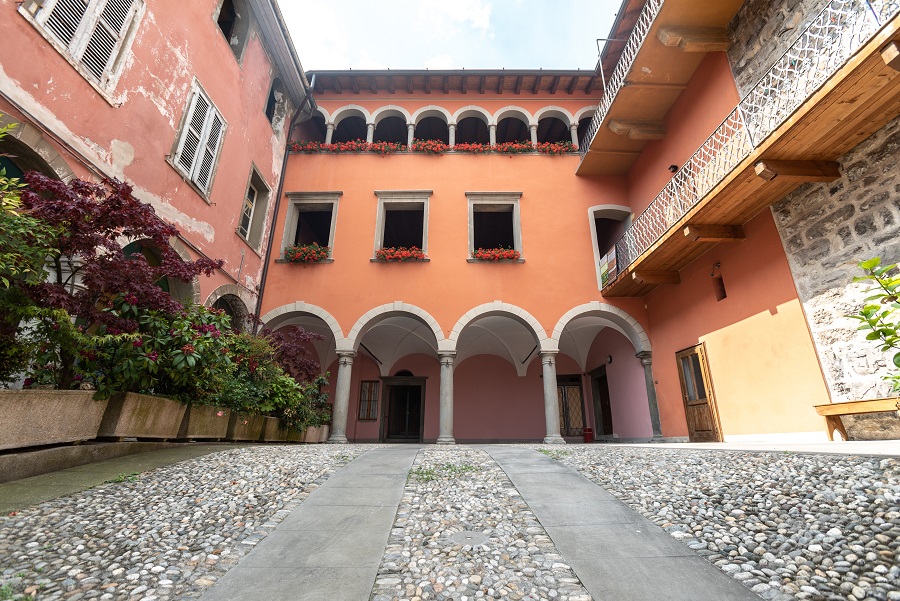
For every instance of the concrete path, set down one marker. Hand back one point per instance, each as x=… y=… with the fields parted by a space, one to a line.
x=617 y=553
x=330 y=547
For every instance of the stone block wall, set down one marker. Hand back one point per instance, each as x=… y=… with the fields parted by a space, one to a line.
x=826 y=230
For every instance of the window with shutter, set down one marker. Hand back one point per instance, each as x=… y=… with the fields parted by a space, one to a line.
x=91 y=33
x=200 y=141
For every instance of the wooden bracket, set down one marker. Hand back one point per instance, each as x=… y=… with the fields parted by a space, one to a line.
x=714 y=233
x=638 y=130
x=695 y=39
x=803 y=171
x=890 y=54
x=656 y=277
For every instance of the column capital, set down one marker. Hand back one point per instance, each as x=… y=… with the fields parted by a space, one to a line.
x=451 y=355
x=532 y=126
x=329 y=126
x=574 y=127
x=547 y=356
x=646 y=357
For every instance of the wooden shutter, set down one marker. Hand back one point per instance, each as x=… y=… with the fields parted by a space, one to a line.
x=105 y=41
x=64 y=18
x=207 y=161
x=192 y=135
x=201 y=140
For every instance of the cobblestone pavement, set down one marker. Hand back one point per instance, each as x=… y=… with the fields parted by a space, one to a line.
x=165 y=534
x=789 y=526
x=463 y=532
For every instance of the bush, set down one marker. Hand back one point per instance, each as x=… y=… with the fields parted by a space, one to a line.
x=880 y=319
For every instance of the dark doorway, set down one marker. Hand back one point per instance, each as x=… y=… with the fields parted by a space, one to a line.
x=603 y=425
x=571 y=405
x=403 y=411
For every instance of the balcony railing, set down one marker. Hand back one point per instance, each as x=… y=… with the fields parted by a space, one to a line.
x=835 y=34
x=623 y=67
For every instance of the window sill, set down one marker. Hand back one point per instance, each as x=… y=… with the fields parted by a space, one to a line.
x=329 y=260
x=425 y=260
x=471 y=260
x=190 y=183
x=247 y=242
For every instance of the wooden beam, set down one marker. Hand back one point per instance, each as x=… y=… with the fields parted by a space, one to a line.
x=890 y=54
x=801 y=171
x=320 y=89
x=446 y=84
x=409 y=84
x=590 y=85
x=465 y=84
x=695 y=39
x=638 y=130
x=650 y=276
x=481 y=85
x=336 y=84
x=537 y=84
x=518 y=87
x=427 y=84
x=390 y=81
x=355 y=83
x=555 y=85
x=500 y=84
x=714 y=233
x=572 y=84
x=373 y=86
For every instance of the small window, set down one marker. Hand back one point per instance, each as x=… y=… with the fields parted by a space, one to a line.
x=276 y=105
x=494 y=221
x=253 y=211
x=234 y=23
x=92 y=34
x=200 y=140
x=402 y=219
x=368 y=400
x=311 y=219
x=719 y=288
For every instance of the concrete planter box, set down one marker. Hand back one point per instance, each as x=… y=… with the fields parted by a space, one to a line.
x=243 y=426
x=42 y=417
x=205 y=422
x=273 y=431
x=317 y=434
x=296 y=435
x=133 y=415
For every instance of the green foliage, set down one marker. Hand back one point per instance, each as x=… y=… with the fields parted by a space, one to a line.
x=132 y=477
x=880 y=314
x=553 y=453
x=444 y=470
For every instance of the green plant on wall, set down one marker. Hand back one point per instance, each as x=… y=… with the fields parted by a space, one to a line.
x=881 y=312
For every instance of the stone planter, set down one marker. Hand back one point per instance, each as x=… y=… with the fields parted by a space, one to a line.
x=205 y=422
x=243 y=426
x=273 y=431
x=317 y=434
x=133 y=415
x=296 y=435
x=42 y=417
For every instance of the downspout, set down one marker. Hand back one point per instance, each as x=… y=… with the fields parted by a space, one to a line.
x=287 y=154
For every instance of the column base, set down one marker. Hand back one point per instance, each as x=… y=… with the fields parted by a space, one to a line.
x=445 y=440
x=337 y=439
x=555 y=439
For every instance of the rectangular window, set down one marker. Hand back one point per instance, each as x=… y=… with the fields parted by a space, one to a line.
x=92 y=34
x=200 y=141
x=233 y=20
x=368 y=400
x=311 y=219
x=247 y=212
x=494 y=221
x=253 y=211
x=402 y=219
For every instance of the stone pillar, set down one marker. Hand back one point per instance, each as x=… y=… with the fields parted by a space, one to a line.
x=445 y=435
x=341 y=398
x=493 y=131
x=574 y=130
x=370 y=132
x=411 y=128
x=551 y=399
x=452 y=129
x=533 y=129
x=329 y=132
x=647 y=362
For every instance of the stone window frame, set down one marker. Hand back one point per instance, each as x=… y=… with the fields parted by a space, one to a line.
x=297 y=201
x=256 y=227
x=242 y=29
x=38 y=12
x=189 y=174
x=495 y=199
x=401 y=199
x=371 y=403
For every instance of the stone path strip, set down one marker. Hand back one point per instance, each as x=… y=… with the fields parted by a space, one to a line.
x=788 y=526
x=463 y=532
x=164 y=534
x=331 y=545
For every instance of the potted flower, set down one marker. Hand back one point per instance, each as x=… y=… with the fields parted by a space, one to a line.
x=306 y=253
x=400 y=254
x=429 y=146
x=496 y=254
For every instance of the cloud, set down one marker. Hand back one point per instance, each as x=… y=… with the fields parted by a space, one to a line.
x=441 y=61
x=452 y=20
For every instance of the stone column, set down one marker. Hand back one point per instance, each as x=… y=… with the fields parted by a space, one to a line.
x=370 y=132
x=452 y=129
x=574 y=129
x=341 y=398
x=493 y=132
x=329 y=132
x=533 y=129
x=445 y=435
x=551 y=399
x=411 y=128
x=647 y=362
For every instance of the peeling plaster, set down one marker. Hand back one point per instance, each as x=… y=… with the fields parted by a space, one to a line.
x=174 y=216
x=122 y=156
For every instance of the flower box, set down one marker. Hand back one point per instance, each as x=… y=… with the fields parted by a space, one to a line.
x=243 y=426
x=133 y=415
x=273 y=430
x=400 y=254
x=205 y=422
x=42 y=417
x=496 y=254
x=307 y=253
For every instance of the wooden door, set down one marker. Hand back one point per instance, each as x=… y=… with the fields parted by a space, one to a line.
x=403 y=413
x=697 y=394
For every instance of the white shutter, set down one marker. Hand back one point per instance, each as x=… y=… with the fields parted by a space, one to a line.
x=64 y=18
x=201 y=140
x=210 y=150
x=193 y=133
x=106 y=39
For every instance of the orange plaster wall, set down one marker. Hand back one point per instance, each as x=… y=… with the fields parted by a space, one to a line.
x=763 y=366
x=175 y=41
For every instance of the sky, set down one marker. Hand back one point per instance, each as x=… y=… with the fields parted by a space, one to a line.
x=448 y=34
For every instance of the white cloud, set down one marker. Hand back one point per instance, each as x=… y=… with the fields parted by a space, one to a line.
x=454 y=20
x=441 y=61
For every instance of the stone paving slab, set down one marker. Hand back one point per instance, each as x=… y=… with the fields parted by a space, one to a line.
x=330 y=547
x=614 y=551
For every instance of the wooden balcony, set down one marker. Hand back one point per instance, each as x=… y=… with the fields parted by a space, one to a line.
x=834 y=88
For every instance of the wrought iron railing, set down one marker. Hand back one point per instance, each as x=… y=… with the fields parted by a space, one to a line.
x=837 y=32
x=623 y=67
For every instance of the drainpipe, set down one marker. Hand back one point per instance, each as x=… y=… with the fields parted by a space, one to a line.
x=287 y=154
